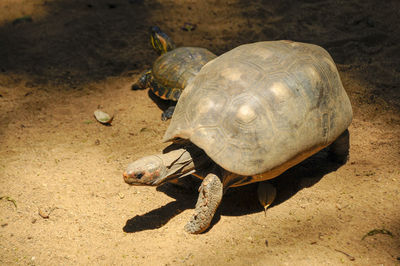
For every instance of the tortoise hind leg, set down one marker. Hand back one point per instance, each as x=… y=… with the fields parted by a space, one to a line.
x=210 y=195
x=339 y=149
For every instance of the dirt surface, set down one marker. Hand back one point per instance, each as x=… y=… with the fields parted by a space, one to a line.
x=63 y=200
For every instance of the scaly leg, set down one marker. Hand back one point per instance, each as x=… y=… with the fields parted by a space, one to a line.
x=167 y=114
x=210 y=195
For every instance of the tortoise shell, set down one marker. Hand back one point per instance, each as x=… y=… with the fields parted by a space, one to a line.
x=263 y=107
x=173 y=70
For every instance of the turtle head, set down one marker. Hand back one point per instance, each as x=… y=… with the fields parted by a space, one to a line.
x=147 y=171
x=160 y=41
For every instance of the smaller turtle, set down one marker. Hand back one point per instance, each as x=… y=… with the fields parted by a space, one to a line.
x=173 y=70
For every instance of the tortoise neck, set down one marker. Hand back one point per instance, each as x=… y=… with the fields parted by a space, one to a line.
x=184 y=160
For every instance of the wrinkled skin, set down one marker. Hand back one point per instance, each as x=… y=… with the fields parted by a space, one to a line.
x=157 y=169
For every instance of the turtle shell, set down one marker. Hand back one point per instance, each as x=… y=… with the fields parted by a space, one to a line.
x=173 y=70
x=263 y=107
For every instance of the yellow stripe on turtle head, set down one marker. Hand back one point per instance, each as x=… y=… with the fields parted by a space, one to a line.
x=160 y=40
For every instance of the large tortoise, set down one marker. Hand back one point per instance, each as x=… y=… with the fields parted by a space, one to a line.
x=173 y=70
x=248 y=116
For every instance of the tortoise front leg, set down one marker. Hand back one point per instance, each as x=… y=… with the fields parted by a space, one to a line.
x=210 y=195
x=167 y=114
x=143 y=81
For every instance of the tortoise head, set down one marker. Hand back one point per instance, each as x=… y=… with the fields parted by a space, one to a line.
x=160 y=41
x=147 y=171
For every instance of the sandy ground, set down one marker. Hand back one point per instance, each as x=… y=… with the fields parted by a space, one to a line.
x=61 y=60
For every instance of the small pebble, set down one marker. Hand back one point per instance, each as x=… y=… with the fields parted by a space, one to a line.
x=103 y=117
